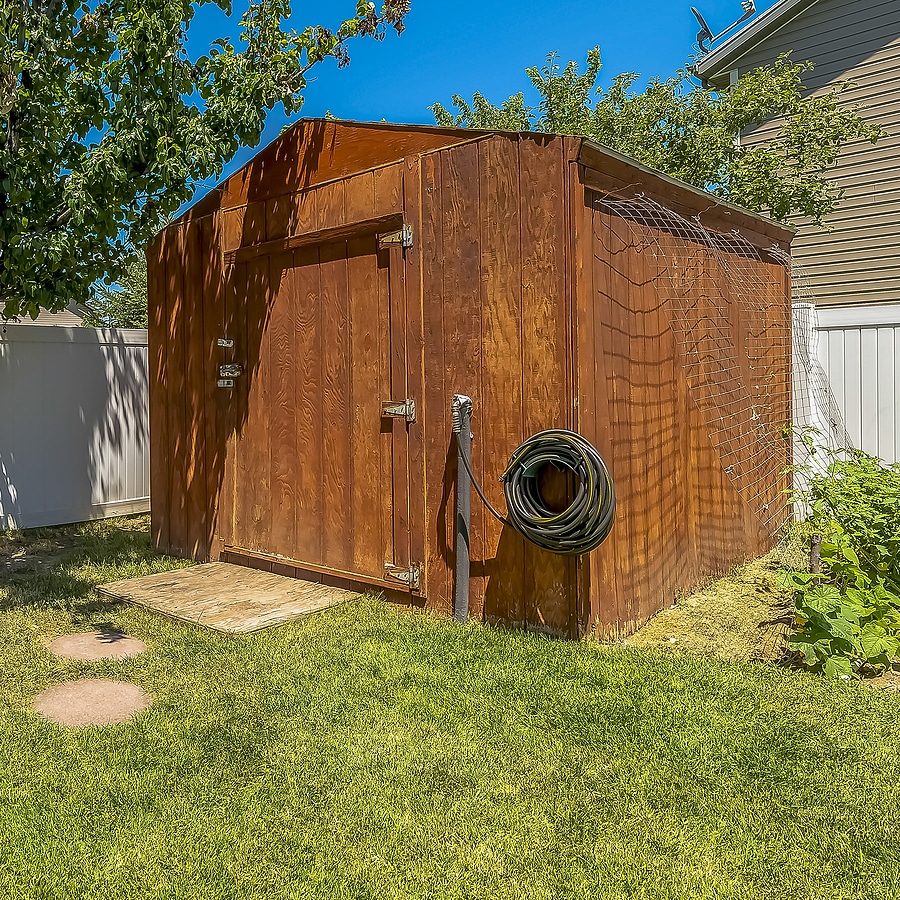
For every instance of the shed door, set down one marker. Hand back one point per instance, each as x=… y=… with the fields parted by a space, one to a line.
x=316 y=473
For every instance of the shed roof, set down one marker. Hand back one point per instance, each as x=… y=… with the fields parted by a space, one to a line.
x=751 y=35
x=328 y=155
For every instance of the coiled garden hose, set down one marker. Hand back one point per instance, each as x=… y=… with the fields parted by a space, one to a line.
x=588 y=519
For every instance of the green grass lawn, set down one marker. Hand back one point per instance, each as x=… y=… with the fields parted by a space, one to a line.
x=369 y=752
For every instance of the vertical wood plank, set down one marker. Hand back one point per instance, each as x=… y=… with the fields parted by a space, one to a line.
x=595 y=407
x=254 y=454
x=394 y=449
x=501 y=396
x=254 y=224
x=462 y=330
x=413 y=279
x=255 y=464
x=283 y=366
x=175 y=373
x=621 y=389
x=306 y=470
x=359 y=197
x=159 y=392
x=368 y=494
x=388 y=184
x=280 y=212
x=392 y=499
x=330 y=211
x=657 y=499
x=439 y=471
x=233 y=228
x=638 y=375
x=683 y=449
x=544 y=232
x=195 y=474
x=231 y=402
x=213 y=355
x=392 y=344
x=336 y=414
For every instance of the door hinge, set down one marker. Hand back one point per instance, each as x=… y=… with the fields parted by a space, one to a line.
x=408 y=576
x=400 y=409
x=403 y=236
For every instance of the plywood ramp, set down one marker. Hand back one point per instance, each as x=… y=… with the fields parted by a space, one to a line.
x=227 y=598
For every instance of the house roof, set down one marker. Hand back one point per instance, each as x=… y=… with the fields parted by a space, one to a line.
x=70 y=316
x=720 y=60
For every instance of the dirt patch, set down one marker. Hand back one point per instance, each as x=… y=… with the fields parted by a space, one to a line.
x=35 y=550
x=743 y=616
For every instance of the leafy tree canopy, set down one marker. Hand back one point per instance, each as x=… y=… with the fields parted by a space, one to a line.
x=123 y=305
x=681 y=128
x=106 y=122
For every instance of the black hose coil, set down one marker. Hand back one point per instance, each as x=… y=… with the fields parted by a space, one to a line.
x=587 y=521
x=585 y=524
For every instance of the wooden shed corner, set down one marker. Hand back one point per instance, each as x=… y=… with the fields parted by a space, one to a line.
x=313 y=316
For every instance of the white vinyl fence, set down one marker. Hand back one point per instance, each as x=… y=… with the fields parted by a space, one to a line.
x=859 y=349
x=74 y=431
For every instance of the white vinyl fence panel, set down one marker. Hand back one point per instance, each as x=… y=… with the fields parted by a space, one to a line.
x=74 y=429
x=859 y=348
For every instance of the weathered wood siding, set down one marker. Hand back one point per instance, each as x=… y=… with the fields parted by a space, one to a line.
x=495 y=296
x=504 y=296
x=681 y=515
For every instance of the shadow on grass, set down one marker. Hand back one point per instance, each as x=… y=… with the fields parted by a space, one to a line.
x=58 y=568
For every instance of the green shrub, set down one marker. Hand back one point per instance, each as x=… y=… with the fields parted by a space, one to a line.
x=848 y=615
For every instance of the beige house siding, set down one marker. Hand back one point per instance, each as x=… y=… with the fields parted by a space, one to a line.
x=70 y=317
x=858 y=259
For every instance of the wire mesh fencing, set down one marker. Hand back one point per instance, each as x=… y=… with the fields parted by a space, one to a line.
x=725 y=302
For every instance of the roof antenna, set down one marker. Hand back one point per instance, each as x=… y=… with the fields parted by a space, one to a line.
x=705 y=37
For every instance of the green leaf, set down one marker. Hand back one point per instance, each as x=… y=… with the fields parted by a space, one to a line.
x=875 y=642
x=119 y=122
x=838 y=667
x=808 y=647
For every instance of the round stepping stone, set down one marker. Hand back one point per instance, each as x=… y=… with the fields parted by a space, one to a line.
x=94 y=645
x=91 y=701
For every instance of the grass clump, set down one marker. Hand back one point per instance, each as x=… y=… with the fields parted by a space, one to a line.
x=369 y=752
x=744 y=615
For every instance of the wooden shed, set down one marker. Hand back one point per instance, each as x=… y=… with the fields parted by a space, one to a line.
x=351 y=264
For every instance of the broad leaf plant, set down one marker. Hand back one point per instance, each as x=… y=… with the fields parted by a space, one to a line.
x=847 y=619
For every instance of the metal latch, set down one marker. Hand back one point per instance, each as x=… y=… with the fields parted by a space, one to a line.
x=225 y=382
x=230 y=370
x=408 y=576
x=403 y=237
x=225 y=342
x=401 y=409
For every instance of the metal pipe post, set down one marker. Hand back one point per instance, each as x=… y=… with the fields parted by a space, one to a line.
x=462 y=421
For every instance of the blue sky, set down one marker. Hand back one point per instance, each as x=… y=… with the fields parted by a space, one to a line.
x=461 y=48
